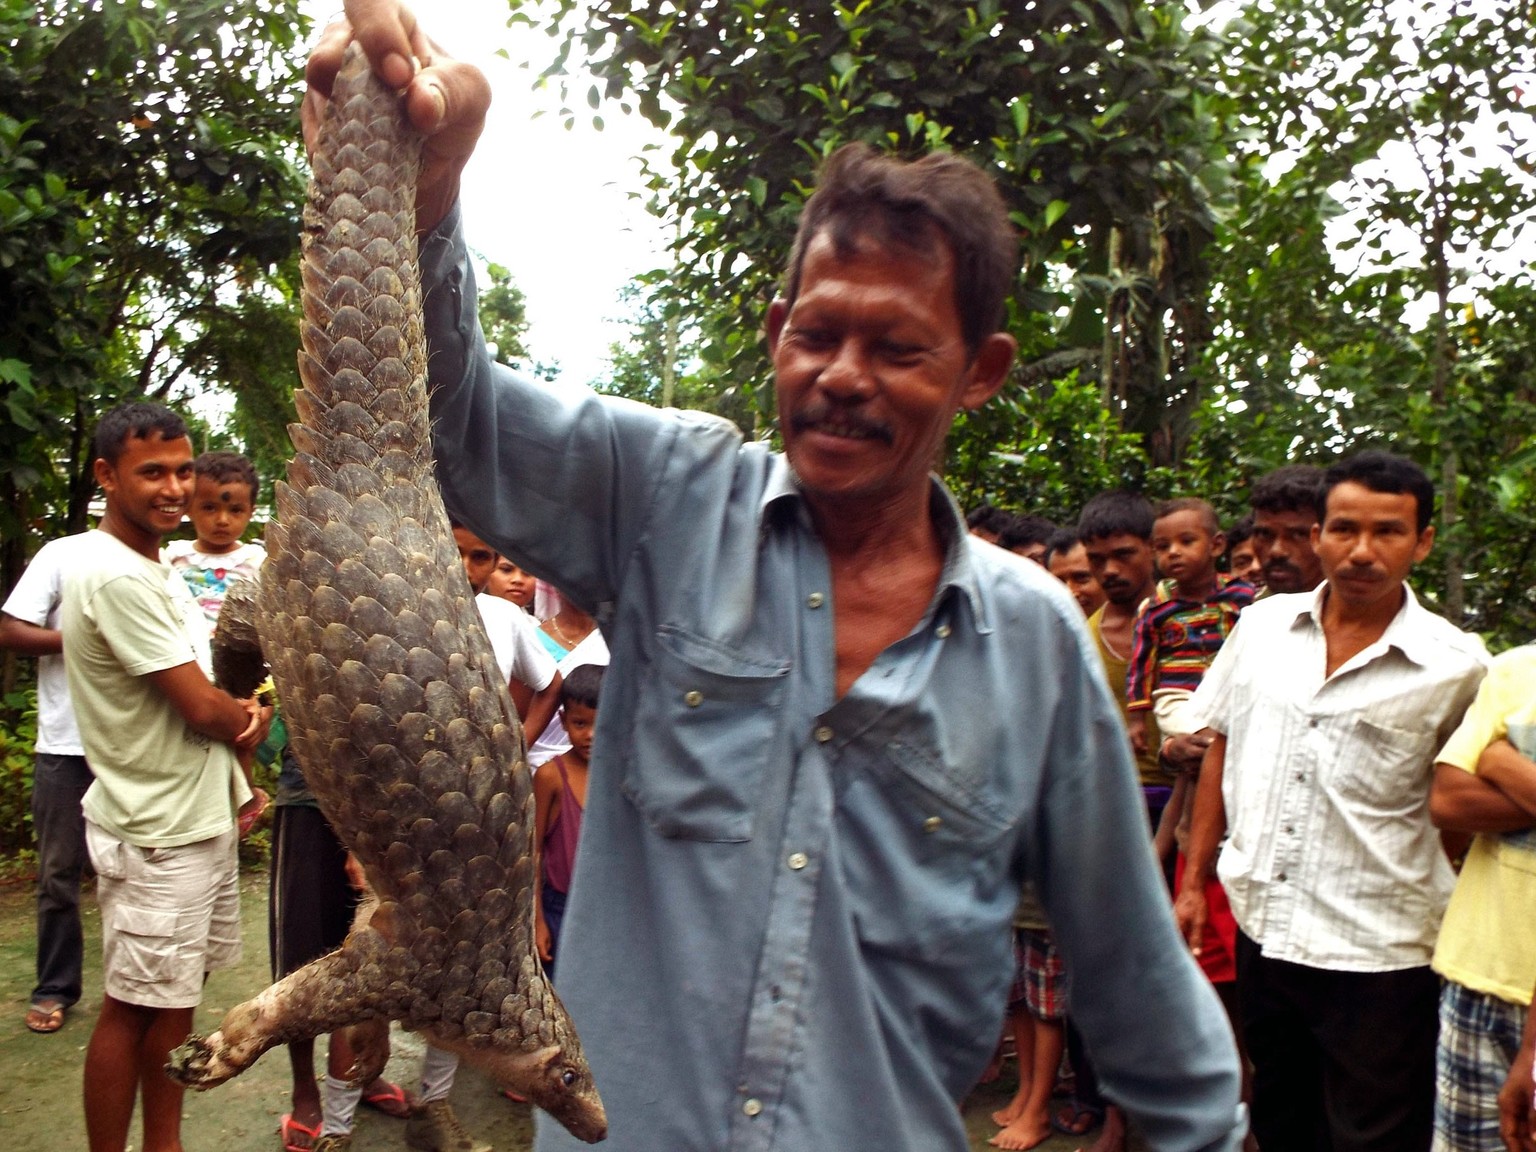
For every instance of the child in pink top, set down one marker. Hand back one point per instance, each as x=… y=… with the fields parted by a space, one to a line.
x=559 y=796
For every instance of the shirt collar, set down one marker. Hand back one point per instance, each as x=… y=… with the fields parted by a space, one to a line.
x=1405 y=632
x=782 y=491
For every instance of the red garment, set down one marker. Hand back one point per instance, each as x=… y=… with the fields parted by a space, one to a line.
x=1218 y=944
x=559 y=847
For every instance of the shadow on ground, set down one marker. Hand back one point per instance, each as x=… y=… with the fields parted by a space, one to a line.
x=40 y=1089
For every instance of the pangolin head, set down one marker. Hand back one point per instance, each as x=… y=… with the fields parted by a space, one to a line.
x=562 y=1085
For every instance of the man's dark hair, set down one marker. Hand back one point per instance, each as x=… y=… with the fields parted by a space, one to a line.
x=1062 y=540
x=1118 y=513
x=1022 y=530
x=861 y=192
x=986 y=518
x=1381 y=472
x=137 y=419
x=1293 y=488
x=583 y=686
x=1240 y=533
x=1190 y=504
x=227 y=468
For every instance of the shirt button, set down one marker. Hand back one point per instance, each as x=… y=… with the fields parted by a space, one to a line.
x=1300 y=777
x=1312 y=723
x=798 y=860
x=1281 y=877
x=752 y=1107
x=823 y=734
x=933 y=823
x=694 y=699
x=942 y=631
x=815 y=600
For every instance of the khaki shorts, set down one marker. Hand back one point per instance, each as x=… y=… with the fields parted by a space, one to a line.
x=168 y=916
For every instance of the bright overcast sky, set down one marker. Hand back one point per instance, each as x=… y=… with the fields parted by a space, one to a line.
x=552 y=205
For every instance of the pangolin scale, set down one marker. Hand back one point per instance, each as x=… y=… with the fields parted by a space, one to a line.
x=389 y=689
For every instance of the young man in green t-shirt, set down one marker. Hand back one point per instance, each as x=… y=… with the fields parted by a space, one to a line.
x=160 y=816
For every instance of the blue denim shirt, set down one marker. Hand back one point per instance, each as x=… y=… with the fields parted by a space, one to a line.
x=790 y=923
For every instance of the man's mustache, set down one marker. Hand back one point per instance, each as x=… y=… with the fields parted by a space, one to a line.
x=837 y=421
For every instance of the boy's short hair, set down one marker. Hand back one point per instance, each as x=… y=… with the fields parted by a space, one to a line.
x=1240 y=533
x=1118 y=513
x=1022 y=530
x=986 y=518
x=1190 y=504
x=137 y=419
x=1381 y=472
x=1293 y=488
x=227 y=468
x=583 y=686
x=1062 y=540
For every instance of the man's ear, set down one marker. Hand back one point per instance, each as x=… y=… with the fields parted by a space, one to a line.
x=103 y=473
x=778 y=315
x=1425 y=543
x=988 y=370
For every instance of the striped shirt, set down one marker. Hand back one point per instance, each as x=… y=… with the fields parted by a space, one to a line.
x=1331 y=860
x=1175 y=639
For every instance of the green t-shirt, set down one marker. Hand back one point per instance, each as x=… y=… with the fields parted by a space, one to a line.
x=158 y=784
x=1116 y=669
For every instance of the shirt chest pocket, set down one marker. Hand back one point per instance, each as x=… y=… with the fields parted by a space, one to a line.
x=1388 y=770
x=923 y=844
x=706 y=726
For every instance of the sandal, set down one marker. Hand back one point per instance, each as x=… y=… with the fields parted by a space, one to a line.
x=1077 y=1119
x=390 y=1099
x=45 y=1016
x=297 y=1137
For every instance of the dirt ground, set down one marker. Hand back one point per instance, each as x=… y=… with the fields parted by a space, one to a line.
x=40 y=1088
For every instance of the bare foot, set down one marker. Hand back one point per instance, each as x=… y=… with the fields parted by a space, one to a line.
x=1006 y=1116
x=1025 y=1132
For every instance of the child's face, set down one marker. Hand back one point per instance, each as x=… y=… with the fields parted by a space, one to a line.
x=1185 y=547
x=580 y=720
x=220 y=513
x=511 y=583
x=478 y=556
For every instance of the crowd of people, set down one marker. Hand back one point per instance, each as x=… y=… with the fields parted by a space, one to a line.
x=1184 y=803
x=1314 y=781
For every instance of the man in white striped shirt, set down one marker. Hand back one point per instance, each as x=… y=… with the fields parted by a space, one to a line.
x=1328 y=708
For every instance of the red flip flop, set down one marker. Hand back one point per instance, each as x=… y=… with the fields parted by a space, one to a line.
x=293 y=1131
x=390 y=1099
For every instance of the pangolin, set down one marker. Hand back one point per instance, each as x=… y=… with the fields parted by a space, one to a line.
x=389 y=689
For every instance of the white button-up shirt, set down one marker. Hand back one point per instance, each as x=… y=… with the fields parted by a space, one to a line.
x=1331 y=860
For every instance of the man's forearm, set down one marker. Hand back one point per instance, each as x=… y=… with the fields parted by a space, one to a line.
x=1513 y=774
x=1462 y=802
x=29 y=639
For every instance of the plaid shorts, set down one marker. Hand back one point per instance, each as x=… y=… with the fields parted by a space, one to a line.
x=1039 y=983
x=1479 y=1036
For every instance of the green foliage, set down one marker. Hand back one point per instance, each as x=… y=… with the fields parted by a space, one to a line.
x=1090 y=114
x=18 y=734
x=148 y=185
x=661 y=362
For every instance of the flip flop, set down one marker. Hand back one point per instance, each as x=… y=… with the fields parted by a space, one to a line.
x=293 y=1131
x=45 y=1016
x=390 y=1099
